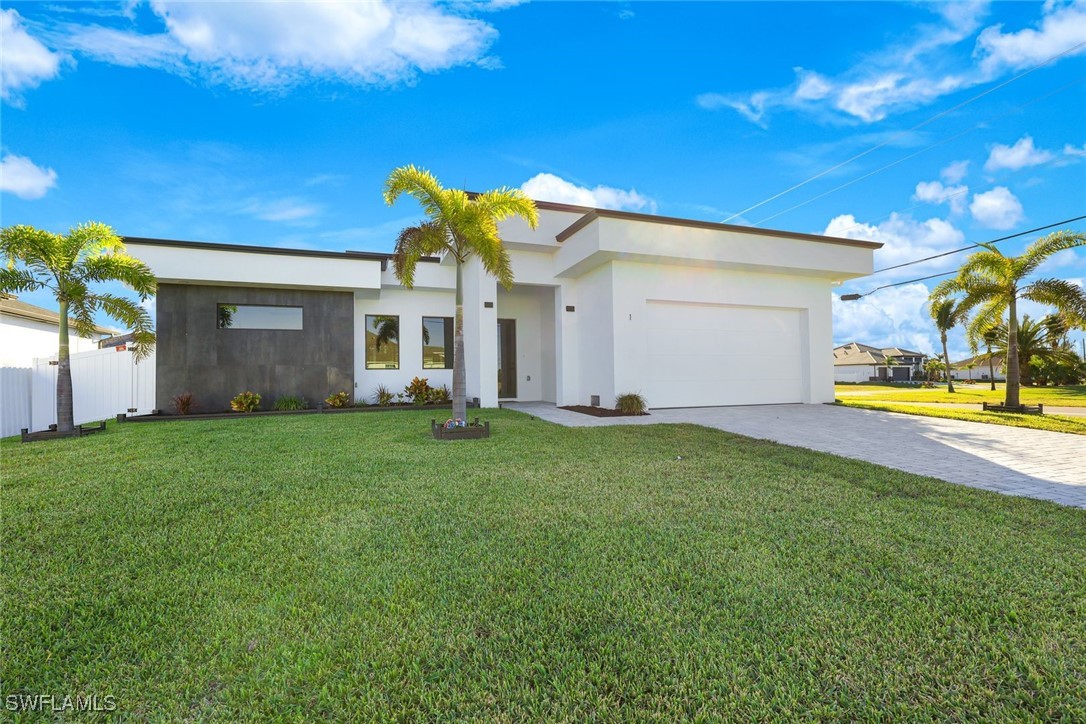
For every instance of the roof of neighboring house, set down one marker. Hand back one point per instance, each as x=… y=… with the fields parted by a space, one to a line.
x=11 y=306
x=855 y=353
x=117 y=340
x=980 y=360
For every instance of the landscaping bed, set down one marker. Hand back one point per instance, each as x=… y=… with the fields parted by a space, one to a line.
x=160 y=416
x=600 y=411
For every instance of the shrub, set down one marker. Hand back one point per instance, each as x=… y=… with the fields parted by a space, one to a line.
x=245 y=402
x=338 y=399
x=439 y=395
x=631 y=403
x=184 y=403
x=290 y=402
x=418 y=391
x=383 y=396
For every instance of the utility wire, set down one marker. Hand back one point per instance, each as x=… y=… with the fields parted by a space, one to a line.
x=855 y=296
x=923 y=150
x=899 y=134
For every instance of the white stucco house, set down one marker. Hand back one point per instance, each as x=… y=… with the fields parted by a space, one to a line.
x=855 y=362
x=28 y=331
x=687 y=313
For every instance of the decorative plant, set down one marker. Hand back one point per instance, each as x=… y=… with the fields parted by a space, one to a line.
x=631 y=403
x=418 y=390
x=339 y=399
x=245 y=402
x=383 y=396
x=291 y=402
x=439 y=395
x=184 y=403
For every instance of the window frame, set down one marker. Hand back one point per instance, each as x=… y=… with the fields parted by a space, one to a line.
x=299 y=307
x=448 y=350
x=366 y=346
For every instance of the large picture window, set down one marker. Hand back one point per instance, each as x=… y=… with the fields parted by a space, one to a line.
x=382 y=342
x=259 y=316
x=437 y=343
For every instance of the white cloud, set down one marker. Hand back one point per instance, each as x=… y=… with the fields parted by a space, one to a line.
x=281 y=210
x=379 y=43
x=26 y=61
x=888 y=318
x=954 y=172
x=934 y=192
x=1021 y=155
x=997 y=209
x=1061 y=29
x=904 y=239
x=20 y=176
x=548 y=187
x=1070 y=150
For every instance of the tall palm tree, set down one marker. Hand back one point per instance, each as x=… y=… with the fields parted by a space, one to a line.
x=462 y=226
x=947 y=314
x=67 y=265
x=991 y=337
x=992 y=283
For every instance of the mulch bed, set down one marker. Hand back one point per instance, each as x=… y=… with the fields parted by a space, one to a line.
x=598 y=411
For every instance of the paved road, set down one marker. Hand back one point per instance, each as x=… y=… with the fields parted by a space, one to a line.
x=1010 y=460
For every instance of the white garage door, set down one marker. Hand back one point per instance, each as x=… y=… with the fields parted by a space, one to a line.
x=704 y=354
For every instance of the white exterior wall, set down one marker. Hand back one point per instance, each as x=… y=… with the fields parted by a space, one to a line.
x=594 y=321
x=854 y=373
x=21 y=340
x=410 y=306
x=533 y=310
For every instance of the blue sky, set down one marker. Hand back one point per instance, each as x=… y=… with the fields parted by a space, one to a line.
x=276 y=124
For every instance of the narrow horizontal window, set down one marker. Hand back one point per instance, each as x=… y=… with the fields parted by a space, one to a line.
x=437 y=343
x=259 y=316
x=382 y=342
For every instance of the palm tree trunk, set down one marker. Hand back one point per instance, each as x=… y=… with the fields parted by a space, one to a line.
x=1014 y=381
x=946 y=361
x=459 y=390
x=65 y=416
x=991 y=367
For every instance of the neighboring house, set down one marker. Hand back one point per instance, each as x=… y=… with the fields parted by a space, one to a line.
x=605 y=302
x=980 y=371
x=855 y=362
x=27 y=331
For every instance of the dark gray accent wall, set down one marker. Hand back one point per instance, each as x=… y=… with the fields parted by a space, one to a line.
x=193 y=355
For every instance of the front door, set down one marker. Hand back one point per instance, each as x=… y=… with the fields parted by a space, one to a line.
x=507 y=359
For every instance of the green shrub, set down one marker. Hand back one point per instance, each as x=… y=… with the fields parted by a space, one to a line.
x=291 y=402
x=631 y=403
x=338 y=399
x=383 y=396
x=245 y=402
x=439 y=395
x=418 y=390
x=184 y=403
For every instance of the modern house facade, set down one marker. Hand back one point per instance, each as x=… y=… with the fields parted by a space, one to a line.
x=855 y=362
x=687 y=313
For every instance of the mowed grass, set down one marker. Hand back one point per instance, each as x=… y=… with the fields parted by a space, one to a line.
x=1064 y=396
x=347 y=567
x=1051 y=423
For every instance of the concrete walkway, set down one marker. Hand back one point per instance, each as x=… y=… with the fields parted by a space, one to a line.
x=1010 y=460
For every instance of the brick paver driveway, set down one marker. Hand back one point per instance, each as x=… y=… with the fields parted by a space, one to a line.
x=1010 y=460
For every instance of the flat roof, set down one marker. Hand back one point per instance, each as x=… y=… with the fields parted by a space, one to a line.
x=254 y=249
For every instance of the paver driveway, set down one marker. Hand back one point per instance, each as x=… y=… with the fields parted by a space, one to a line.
x=1011 y=460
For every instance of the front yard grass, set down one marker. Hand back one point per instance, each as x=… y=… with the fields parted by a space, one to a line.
x=348 y=567
x=1052 y=423
x=1064 y=396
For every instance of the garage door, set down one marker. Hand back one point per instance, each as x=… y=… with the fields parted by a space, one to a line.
x=704 y=354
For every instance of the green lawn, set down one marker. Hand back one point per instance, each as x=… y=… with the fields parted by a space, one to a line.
x=1066 y=396
x=345 y=566
x=1052 y=423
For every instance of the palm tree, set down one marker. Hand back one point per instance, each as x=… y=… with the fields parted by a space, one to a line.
x=890 y=362
x=947 y=315
x=1035 y=340
x=67 y=266
x=462 y=226
x=991 y=337
x=992 y=283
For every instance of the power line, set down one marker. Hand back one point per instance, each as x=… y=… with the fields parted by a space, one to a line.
x=899 y=134
x=853 y=297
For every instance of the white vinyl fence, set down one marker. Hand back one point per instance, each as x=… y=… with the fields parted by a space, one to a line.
x=14 y=400
x=105 y=383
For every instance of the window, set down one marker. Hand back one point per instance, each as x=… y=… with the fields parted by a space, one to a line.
x=437 y=343
x=382 y=342
x=258 y=316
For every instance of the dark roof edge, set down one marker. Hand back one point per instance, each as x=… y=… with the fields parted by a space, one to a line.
x=211 y=246
x=594 y=214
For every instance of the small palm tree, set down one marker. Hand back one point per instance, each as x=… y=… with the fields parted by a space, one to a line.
x=462 y=226
x=890 y=363
x=947 y=315
x=67 y=266
x=991 y=338
x=991 y=284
